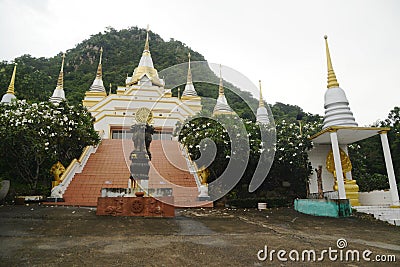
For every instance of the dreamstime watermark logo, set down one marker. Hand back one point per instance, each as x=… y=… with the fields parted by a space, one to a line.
x=175 y=77
x=339 y=253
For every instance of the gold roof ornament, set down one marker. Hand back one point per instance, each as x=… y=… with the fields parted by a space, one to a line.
x=189 y=74
x=221 y=85
x=99 y=67
x=145 y=66
x=10 y=89
x=146 y=45
x=60 y=81
x=332 y=81
x=261 y=101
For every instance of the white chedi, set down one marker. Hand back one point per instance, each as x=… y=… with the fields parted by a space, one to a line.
x=262 y=112
x=337 y=110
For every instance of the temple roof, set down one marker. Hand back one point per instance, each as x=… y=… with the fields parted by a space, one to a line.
x=145 y=67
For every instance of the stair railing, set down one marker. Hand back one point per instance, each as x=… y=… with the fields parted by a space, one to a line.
x=191 y=165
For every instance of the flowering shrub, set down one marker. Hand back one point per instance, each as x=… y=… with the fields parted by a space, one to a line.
x=290 y=166
x=34 y=136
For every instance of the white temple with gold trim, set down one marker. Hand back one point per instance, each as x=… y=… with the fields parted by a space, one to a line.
x=115 y=113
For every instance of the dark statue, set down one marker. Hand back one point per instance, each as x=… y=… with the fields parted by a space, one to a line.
x=140 y=156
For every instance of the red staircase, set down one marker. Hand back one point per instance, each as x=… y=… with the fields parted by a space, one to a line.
x=109 y=168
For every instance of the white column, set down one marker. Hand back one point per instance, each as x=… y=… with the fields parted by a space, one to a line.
x=338 y=165
x=389 y=168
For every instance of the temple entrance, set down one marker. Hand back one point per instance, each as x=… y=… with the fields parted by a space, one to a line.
x=159 y=134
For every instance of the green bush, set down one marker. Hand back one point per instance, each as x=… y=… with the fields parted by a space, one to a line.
x=372 y=182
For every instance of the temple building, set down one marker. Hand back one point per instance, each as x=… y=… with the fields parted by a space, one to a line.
x=59 y=94
x=115 y=113
x=10 y=94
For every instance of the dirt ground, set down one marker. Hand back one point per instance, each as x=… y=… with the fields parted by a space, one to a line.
x=38 y=235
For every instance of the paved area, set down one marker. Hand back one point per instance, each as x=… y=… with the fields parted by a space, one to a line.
x=38 y=235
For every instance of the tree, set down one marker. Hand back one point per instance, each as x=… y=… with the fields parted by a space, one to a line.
x=35 y=136
x=290 y=169
x=367 y=157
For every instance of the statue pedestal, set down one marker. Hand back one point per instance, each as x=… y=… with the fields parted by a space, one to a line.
x=135 y=206
x=203 y=196
x=139 y=165
x=351 y=189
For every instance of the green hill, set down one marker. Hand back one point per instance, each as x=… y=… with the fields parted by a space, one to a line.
x=37 y=77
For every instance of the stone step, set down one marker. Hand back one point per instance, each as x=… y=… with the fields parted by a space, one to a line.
x=108 y=168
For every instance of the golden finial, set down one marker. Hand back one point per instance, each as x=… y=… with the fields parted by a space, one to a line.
x=60 y=81
x=146 y=45
x=261 y=103
x=179 y=92
x=11 y=86
x=189 y=75
x=332 y=81
x=99 y=68
x=109 y=93
x=101 y=54
x=221 y=85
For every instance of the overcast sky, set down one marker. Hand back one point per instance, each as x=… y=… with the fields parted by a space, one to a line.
x=279 y=42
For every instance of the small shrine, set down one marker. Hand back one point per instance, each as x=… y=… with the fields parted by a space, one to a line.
x=332 y=179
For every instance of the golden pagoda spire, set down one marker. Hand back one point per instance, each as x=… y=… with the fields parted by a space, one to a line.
x=11 y=86
x=261 y=101
x=109 y=93
x=60 y=81
x=332 y=81
x=189 y=75
x=146 y=45
x=221 y=85
x=99 y=68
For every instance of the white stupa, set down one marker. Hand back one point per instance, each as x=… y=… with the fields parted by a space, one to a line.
x=97 y=85
x=222 y=106
x=59 y=94
x=337 y=110
x=189 y=91
x=10 y=94
x=262 y=112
